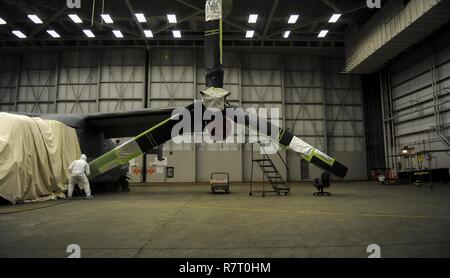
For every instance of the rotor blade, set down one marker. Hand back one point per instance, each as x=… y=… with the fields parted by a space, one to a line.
x=290 y=142
x=138 y=145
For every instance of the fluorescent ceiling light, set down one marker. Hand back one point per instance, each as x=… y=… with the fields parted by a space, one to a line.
x=117 y=33
x=172 y=18
x=75 y=18
x=334 y=18
x=148 y=33
x=35 y=18
x=89 y=33
x=107 y=18
x=286 y=34
x=19 y=34
x=176 y=33
x=140 y=17
x=293 y=18
x=252 y=18
x=53 y=33
x=2 y=22
x=323 y=33
x=249 y=34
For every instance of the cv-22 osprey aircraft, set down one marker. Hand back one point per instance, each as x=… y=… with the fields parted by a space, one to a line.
x=109 y=162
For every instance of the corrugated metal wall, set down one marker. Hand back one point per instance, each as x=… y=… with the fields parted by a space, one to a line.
x=416 y=97
x=316 y=101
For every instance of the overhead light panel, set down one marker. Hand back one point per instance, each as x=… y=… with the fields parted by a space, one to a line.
x=140 y=17
x=19 y=34
x=53 y=33
x=148 y=33
x=293 y=18
x=249 y=34
x=2 y=21
x=286 y=34
x=117 y=33
x=334 y=18
x=75 y=18
x=323 y=33
x=35 y=18
x=89 y=33
x=176 y=33
x=252 y=18
x=172 y=18
x=107 y=18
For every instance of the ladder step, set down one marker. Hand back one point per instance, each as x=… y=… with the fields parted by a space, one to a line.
x=264 y=159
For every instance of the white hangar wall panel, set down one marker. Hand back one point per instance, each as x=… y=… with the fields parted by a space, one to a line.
x=345 y=118
x=262 y=88
x=324 y=107
x=9 y=77
x=122 y=80
x=77 y=90
x=172 y=84
x=36 y=86
x=414 y=98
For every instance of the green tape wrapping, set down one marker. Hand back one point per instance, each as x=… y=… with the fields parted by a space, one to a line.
x=322 y=156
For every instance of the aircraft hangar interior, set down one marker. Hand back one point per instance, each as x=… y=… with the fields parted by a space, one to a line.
x=224 y=128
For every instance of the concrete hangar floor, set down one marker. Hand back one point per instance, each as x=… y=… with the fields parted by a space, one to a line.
x=186 y=220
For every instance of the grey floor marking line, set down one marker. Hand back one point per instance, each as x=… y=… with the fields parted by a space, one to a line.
x=31 y=209
x=167 y=222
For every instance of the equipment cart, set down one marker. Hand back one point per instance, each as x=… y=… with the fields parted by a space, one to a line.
x=220 y=181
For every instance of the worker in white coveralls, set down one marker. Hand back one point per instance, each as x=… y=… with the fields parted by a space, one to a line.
x=79 y=169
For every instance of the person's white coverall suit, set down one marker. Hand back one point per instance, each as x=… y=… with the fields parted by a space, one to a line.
x=79 y=170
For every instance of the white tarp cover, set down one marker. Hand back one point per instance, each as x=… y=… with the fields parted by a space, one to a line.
x=34 y=157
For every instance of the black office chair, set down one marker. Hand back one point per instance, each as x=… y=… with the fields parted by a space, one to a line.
x=323 y=183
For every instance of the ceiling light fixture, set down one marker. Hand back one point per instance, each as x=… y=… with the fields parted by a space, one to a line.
x=89 y=33
x=293 y=18
x=172 y=18
x=249 y=34
x=35 y=18
x=118 y=33
x=19 y=34
x=323 y=33
x=334 y=18
x=107 y=18
x=286 y=34
x=148 y=33
x=140 y=17
x=2 y=21
x=75 y=18
x=53 y=33
x=252 y=18
x=176 y=33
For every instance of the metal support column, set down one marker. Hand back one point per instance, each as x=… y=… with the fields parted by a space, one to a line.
x=324 y=105
x=58 y=66
x=146 y=94
x=99 y=76
x=283 y=106
x=242 y=146
x=194 y=84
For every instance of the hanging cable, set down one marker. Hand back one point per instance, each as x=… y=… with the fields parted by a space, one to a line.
x=93 y=11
